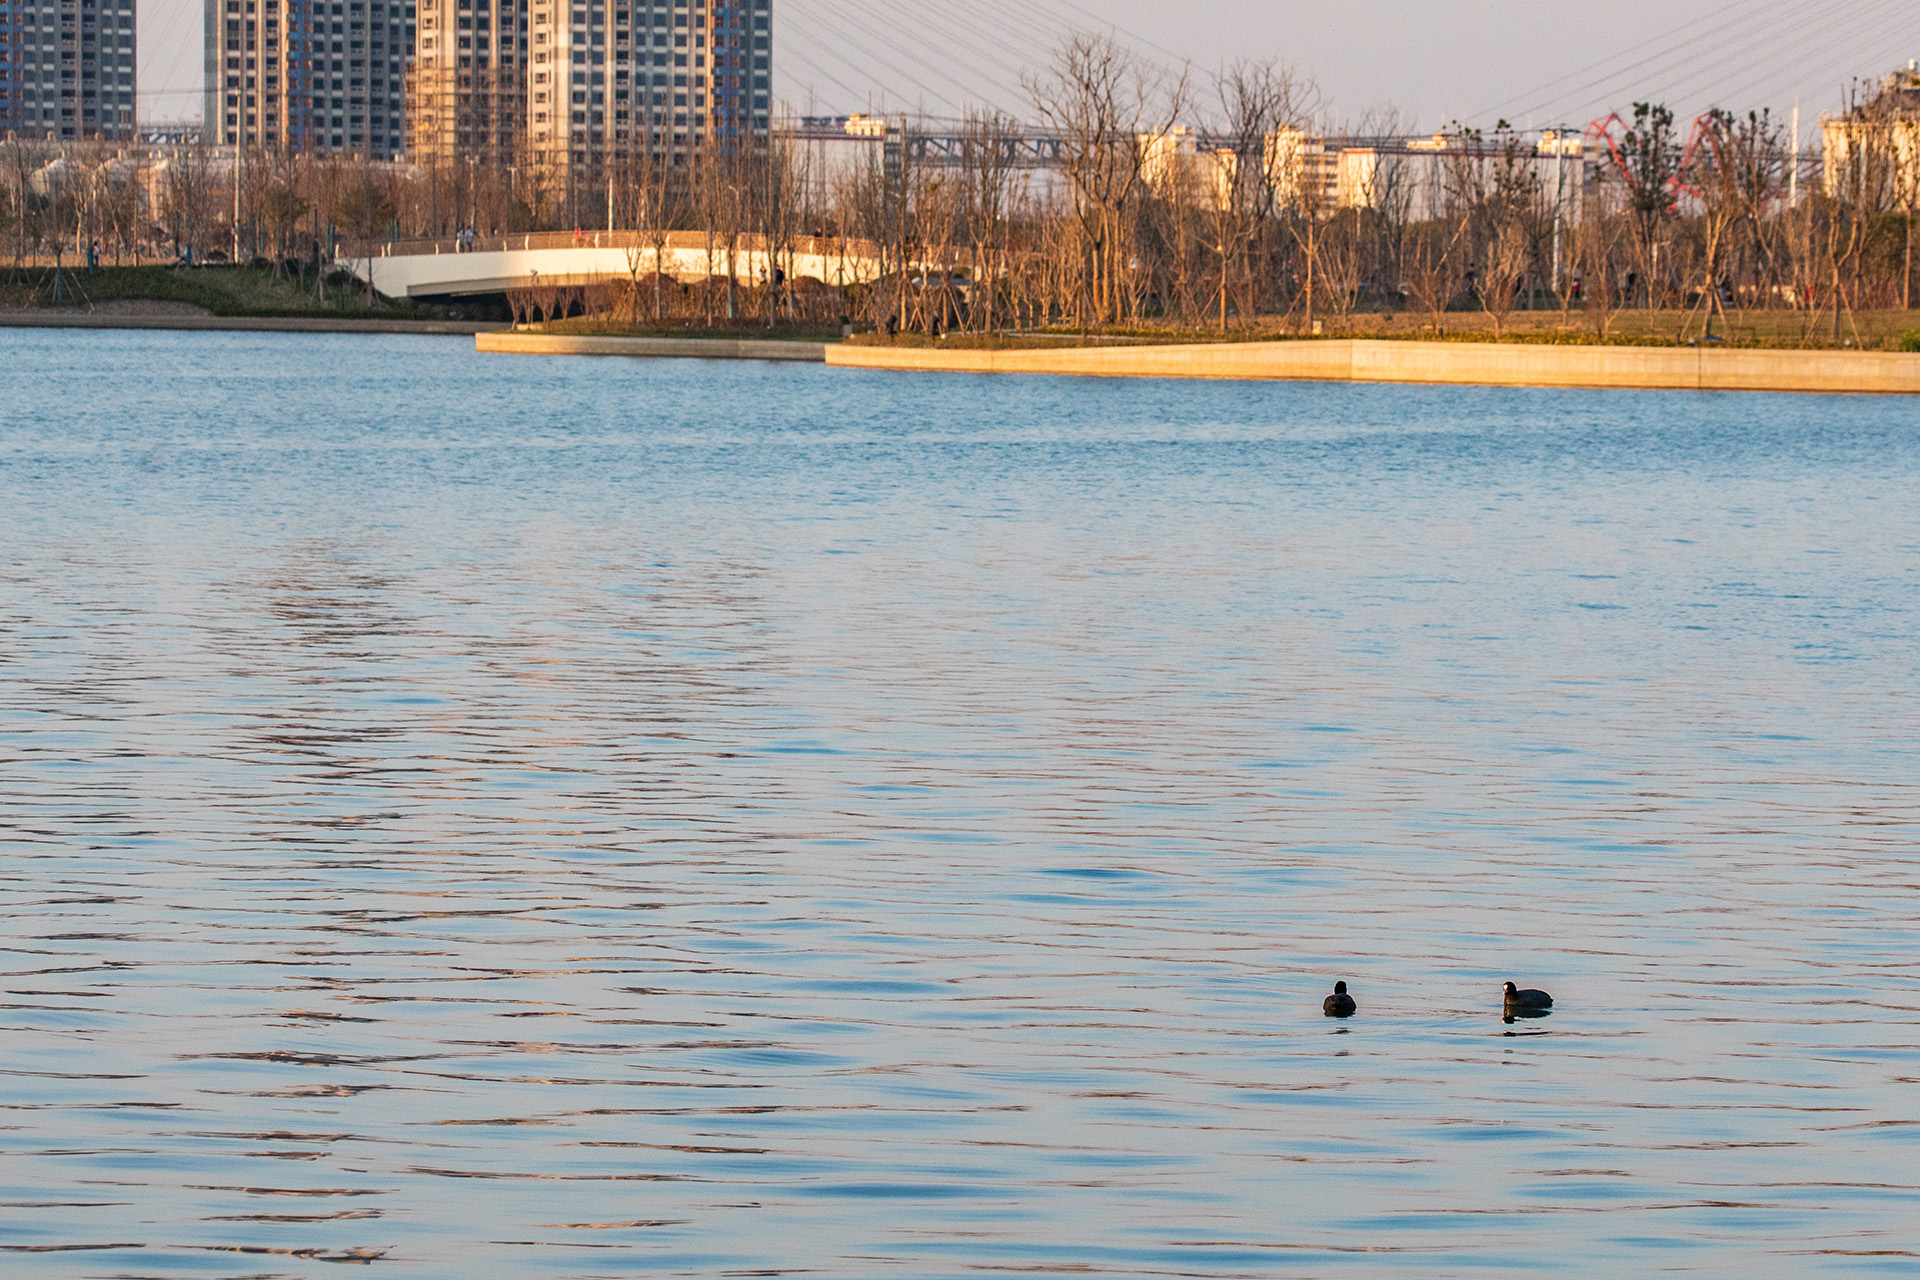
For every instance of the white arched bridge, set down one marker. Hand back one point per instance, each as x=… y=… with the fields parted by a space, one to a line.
x=493 y=264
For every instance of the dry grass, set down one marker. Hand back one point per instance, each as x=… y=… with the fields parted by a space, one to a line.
x=616 y=327
x=220 y=291
x=1866 y=330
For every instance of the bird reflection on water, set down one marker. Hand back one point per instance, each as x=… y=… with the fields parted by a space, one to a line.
x=1524 y=1003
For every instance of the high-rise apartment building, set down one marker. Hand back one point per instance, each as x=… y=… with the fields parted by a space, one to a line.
x=68 y=69
x=309 y=75
x=609 y=78
x=467 y=93
x=10 y=15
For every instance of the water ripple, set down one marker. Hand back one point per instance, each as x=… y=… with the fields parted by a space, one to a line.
x=467 y=816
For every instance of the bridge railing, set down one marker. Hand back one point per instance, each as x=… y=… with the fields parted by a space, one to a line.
x=522 y=240
x=644 y=241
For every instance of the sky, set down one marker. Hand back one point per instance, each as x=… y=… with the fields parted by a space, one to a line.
x=1428 y=64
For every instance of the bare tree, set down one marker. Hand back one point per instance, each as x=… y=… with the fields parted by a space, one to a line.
x=1106 y=104
x=1597 y=239
x=1433 y=271
x=366 y=210
x=1308 y=197
x=985 y=179
x=1509 y=214
x=1256 y=101
x=281 y=206
x=187 y=199
x=1390 y=198
x=20 y=159
x=1735 y=172
x=121 y=212
x=1648 y=159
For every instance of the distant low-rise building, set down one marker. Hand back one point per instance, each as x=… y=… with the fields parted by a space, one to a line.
x=1871 y=153
x=1303 y=171
x=1310 y=174
x=1448 y=171
x=831 y=154
x=1178 y=162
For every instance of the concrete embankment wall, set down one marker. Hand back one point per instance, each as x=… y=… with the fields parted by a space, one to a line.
x=1471 y=363
x=1332 y=360
x=561 y=344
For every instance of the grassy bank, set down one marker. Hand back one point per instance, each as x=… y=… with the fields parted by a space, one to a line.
x=609 y=327
x=217 y=291
x=1773 y=330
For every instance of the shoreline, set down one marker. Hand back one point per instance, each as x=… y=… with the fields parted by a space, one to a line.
x=1450 y=363
x=506 y=342
x=1488 y=364
x=34 y=318
x=1445 y=363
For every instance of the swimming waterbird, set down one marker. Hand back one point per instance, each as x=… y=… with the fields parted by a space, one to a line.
x=1527 y=1001
x=1339 y=1004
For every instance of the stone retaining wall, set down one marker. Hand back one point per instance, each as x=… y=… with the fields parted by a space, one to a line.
x=561 y=344
x=1476 y=363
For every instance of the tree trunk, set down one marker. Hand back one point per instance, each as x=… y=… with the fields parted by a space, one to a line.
x=1312 y=246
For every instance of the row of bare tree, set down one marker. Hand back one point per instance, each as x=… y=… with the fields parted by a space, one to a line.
x=180 y=203
x=1243 y=221
x=1252 y=224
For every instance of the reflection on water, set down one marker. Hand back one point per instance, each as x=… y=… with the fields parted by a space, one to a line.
x=491 y=817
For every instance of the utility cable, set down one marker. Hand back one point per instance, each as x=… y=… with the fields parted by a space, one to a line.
x=821 y=36
x=1619 y=88
x=997 y=73
x=1674 y=88
x=1744 y=73
x=1862 y=47
x=866 y=51
x=1662 y=40
x=852 y=93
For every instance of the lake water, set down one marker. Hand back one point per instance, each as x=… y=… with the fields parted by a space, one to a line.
x=493 y=817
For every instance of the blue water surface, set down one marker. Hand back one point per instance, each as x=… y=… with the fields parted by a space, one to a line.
x=489 y=816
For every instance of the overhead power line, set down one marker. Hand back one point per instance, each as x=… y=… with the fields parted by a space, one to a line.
x=1738 y=56
x=922 y=52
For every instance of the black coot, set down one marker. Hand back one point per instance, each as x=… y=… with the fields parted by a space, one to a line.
x=1527 y=1001
x=1339 y=1004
